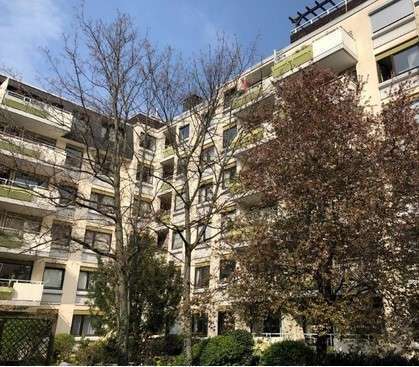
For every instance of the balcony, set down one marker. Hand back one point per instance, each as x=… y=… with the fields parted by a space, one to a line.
x=24 y=293
x=32 y=200
x=13 y=241
x=31 y=153
x=38 y=115
x=335 y=50
x=168 y=151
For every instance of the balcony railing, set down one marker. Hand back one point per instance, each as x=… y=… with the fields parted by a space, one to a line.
x=53 y=115
x=168 y=151
x=17 y=292
x=10 y=189
x=25 y=104
x=293 y=61
x=249 y=96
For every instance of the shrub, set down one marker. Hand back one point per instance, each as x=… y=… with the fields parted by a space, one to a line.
x=288 y=353
x=350 y=359
x=233 y=348
x=63 y=347
x=101 y=352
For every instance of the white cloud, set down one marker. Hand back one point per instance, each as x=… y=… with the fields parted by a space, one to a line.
x=25 y=27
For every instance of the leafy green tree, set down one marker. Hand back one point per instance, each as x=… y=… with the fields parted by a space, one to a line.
x=155 y=291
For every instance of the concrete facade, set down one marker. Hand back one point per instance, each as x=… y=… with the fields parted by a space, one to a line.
x=351 y=40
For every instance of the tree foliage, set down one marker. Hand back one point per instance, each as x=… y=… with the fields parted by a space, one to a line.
x=332 y=240
x=155 y=289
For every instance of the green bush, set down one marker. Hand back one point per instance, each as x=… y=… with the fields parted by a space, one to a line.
x=350 y=359
x=100 y=352
x=233 y=348
x=288 y=353
x=63 y=347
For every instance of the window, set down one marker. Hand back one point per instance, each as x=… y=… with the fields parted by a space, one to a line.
x=182 y=167
x=227 y=268
x=205 y=232
x=229 y=175
x=61 y=234
x=207 y=157
x=205 y=193
x=228 y=136
x=228 y=96
x=15 y=270
x=74 y=157
x=103 y=165
x=177 y=241
x=148 y=142
x=85 y=281
x=272 y=325
x=147 y=173
x=200 y=324
x=179 y=203
x=53 y=278
x=390 y=14
x=98 y=240
x=162 y=238
x=101 y=202
x=27 y=180
x=23 y=223
x=68 y=195
x=82 y=326
x=168 y=170
x=184 y=133
x=202 y=276
x=227 y=220
x=398 y=61
x=141 y=208
x=225 y=322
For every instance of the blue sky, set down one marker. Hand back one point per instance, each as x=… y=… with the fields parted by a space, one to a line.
x=186 y=25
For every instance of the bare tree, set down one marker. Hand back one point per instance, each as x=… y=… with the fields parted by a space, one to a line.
x=100 y=81
x=203 y=138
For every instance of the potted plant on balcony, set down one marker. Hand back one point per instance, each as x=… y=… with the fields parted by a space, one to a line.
x=6 y=293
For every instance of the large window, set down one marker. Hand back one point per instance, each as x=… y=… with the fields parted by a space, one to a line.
x=200 y=324
x=390 y=13
x=177 y=241
x=207 y=157
x=61 y=234
x=28 y=180
x=68 y=195
x=202 y=276
x=53 y=278
x=15 y=270
x=21 y=223
x=184 y=133
x=229 y=175
x=227 y=268
x=179 y=203
x=74 y=157
x=225 y=322
x=205 y=193
x=398 y=60
x=82 y=326
x=147 y=174
x=228 y=136
x=272 y=325
x=101 y=202
x=98 y=240
x=148 y=142
x=204 y=232
x=85 y=281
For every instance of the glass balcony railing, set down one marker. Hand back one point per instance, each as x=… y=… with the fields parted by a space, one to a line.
x=293 y=61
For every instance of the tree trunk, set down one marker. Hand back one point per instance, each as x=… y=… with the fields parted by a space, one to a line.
x=186 y=308
x=123 y=357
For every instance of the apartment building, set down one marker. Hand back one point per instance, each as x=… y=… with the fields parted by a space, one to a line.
x=377 y=40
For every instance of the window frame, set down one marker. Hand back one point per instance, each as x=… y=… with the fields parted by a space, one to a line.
x=61 y=270
x=204 y=281
x=88 y=281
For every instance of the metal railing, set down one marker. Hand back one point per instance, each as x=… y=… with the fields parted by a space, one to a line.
x=9 y=282
x=24 y=139
x=321 y=15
